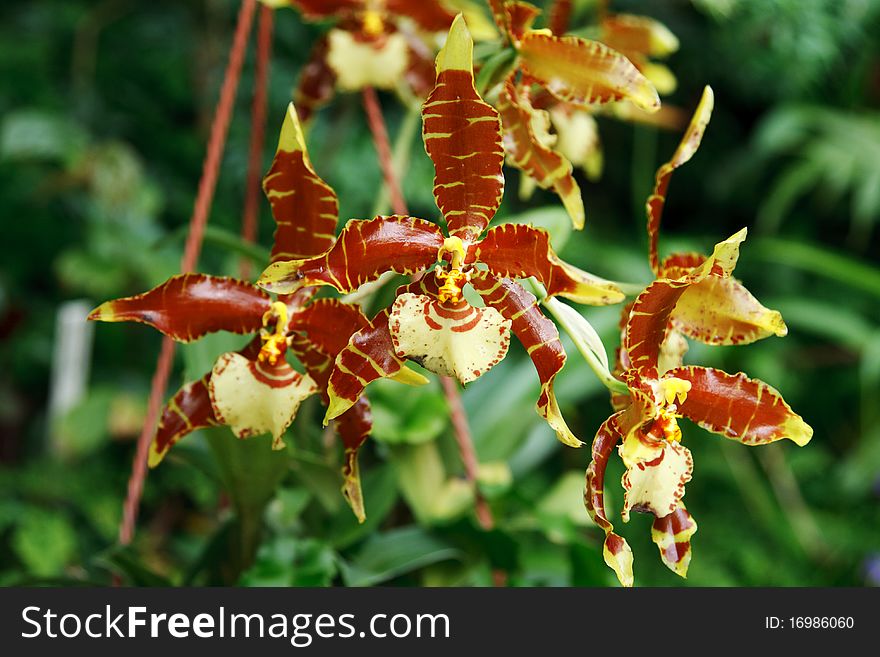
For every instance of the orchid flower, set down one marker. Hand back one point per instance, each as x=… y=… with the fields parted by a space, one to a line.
x=697 y=297
x=255 y=390
x=551 y=130
x=430 y=321
x=375 y=43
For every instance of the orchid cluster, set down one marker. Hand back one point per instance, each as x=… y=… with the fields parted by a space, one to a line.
x=472 y=284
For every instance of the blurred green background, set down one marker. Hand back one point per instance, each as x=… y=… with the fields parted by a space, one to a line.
x=105 y=108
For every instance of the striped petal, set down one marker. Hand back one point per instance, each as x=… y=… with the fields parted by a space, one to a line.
x=305 y=208
x=188 y=410
x=615 y=550
x=540 y=338
x=740 y=408
x=526 y=151
x=462 y=136
x=584 y=72
x=657 y=486
x=650 y=316
x=369 y=355
x=365 y=250
x=189 y=306
x=689 y=144
x=323 y=329
x=450 y=339
x=254 y=398
x=520 y=251
x=672 y=535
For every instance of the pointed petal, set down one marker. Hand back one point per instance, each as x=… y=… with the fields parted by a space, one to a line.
x=317 y=83
x=304 y=206
x=188 y=306
x=462 y=136
x=616 y=552
x=449 y=339
x=539 y=337
x=520 y=251
x=254 y=398
x=526 y=152
x=188 y=410
x=584 y=72
x=689 y=144
x=369 y=355
x=740 y=408
x=650 y=315
x=657 y=486
x=354 y=427
x=672 y=534
x=722 y=311
x=365 y=250
x=430 y=16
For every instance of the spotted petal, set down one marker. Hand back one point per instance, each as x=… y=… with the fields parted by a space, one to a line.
x=450 y=339
x=689 y=144
x=354 y=427
x=255 y=398
x=359 y=63
x=672 y=535
x=549 y=168
x=520 y=251
x=657 y=486
x=539 y=337
x=616 y=551
x=364 y=251
x=462 y=136
x=304 y=206
x=721 y=311
x=584 y=72
x=740 y=408
x=189 y=306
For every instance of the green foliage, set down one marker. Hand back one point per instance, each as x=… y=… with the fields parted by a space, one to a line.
x=98 y=168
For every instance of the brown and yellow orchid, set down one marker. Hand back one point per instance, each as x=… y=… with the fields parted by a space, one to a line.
x=549 y=112
x=375 y=43
x=430 y=321
x=573 y=75
x=255 y=390
x=697 y=297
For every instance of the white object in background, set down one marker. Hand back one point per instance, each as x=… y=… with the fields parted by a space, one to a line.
x=71 y=358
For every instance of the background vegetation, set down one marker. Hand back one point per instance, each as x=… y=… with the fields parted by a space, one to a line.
x=105 y=107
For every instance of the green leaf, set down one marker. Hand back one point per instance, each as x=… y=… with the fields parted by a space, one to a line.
x=405 y=415
x=122 y=561
x=45 y=541
x=34 y=134
x=394 y=553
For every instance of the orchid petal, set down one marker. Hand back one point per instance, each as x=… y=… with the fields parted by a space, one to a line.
x=364 y=251
x=657 y=485
x=189 y=409
x=189 y=306
x=737 y=407
x=520 y=251
x=672 y=534
x=448 y=339
x=359 y=63
x=462 y=136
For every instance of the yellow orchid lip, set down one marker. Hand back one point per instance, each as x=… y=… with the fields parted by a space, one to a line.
x=274 y=344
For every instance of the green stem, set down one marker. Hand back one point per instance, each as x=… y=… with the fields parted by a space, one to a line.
x=601 y=372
